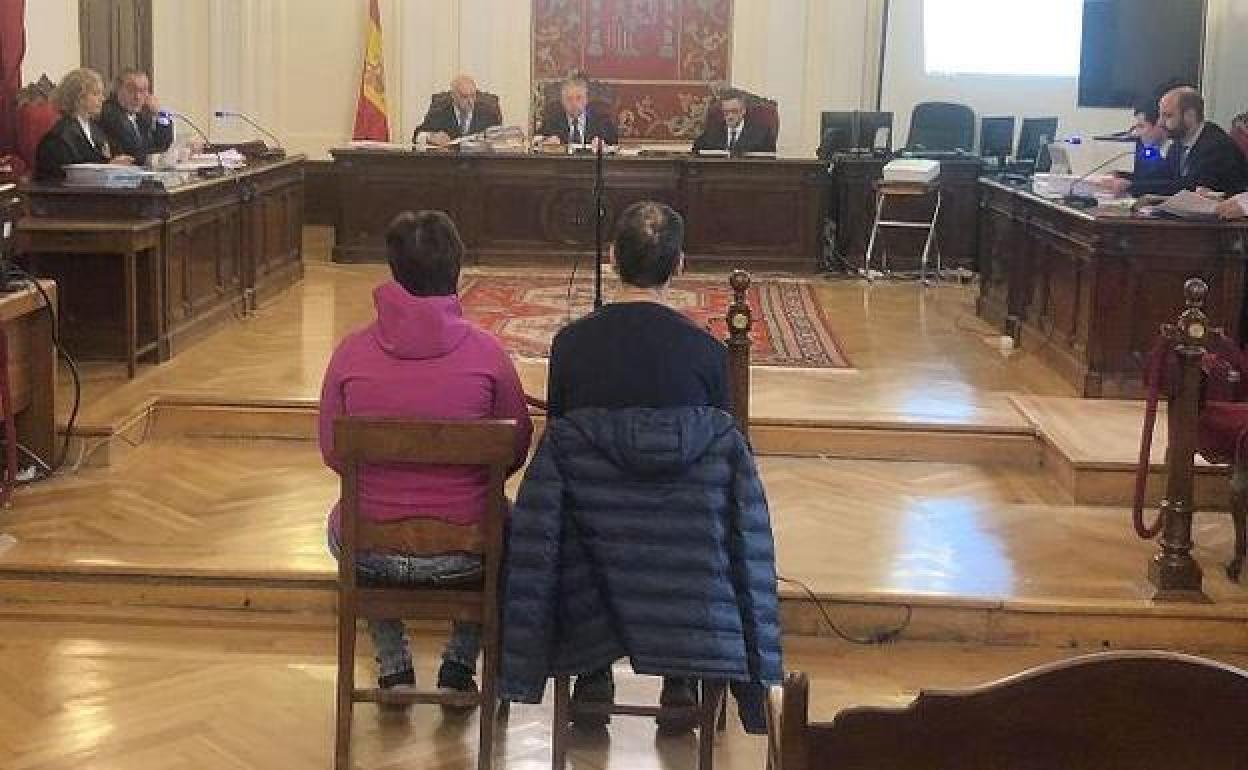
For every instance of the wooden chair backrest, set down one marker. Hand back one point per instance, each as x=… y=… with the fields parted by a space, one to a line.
x=36 y=115
x=487 y=444
x=1109 y=711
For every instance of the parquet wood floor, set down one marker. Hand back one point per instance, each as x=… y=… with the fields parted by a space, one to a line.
x=75 y=695
x=845 y=527
x=921 y=356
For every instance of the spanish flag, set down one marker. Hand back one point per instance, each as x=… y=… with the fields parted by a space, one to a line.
x=370 y=111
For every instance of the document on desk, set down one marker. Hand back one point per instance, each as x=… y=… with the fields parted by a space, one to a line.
x=1189 y=205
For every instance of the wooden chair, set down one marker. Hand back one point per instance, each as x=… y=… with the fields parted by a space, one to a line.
x=35 y=117
x=489 y=444
x=710 y=713
x=1109 y=711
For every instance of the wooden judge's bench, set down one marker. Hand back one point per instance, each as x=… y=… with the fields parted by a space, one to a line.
x=1087 y=291
x=143 y=272
x=757 y=213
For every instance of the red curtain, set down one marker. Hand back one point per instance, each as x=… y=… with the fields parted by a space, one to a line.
x=12 y=51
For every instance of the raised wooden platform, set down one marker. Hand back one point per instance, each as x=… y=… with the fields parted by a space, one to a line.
x=943 y=486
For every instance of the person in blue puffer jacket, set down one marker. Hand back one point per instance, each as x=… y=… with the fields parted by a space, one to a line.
x=639 y=355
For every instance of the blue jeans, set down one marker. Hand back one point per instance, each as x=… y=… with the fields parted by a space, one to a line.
x=390 y=636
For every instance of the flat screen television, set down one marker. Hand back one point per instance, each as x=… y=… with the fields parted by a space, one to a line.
x=1133 y=49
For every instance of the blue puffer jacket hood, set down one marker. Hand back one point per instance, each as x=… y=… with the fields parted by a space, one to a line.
x=652 y=443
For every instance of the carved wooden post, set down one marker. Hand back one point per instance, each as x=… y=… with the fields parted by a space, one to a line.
x=740 y=321
x=1173 y=570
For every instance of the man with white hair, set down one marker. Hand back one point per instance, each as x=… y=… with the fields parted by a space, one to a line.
x=573 y=120
x=461 y=115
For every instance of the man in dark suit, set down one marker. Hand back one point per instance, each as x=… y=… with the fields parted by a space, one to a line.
x=1201 y=154
x=461 y=115
x=571 y=121
x=735 y=134
x=131 y=118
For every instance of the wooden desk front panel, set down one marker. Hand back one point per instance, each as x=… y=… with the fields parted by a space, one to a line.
x=220 y=237
x=525 y=207
x=754 y=209
x=273 y=218
x=1088 y=293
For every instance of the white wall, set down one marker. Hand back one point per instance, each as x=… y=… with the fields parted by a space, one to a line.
x=295 y=64
x=1226 y=60
x=906 y=84
x=301 y=74
x=52 y=41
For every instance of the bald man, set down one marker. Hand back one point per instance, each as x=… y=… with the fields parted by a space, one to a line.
x=1201 y=154
x=461 y=115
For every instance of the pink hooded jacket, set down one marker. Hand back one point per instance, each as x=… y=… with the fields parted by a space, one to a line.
x=421 y=359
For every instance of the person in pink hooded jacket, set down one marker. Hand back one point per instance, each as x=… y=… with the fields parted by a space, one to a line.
x=421 y=359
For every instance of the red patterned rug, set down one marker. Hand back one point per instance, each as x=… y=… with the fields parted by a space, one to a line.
x=526 y=310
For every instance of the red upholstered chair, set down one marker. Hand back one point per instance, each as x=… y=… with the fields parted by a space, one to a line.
x=758 y=110
x=35 y=117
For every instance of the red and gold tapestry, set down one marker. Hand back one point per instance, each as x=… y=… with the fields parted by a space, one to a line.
x=658 y=58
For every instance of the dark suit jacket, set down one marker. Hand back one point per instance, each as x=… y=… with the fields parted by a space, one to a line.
x=598 y=124
x=441 y=116
x=754 y=138
x=65 y=144
x=150 y=137
x=1214 y=162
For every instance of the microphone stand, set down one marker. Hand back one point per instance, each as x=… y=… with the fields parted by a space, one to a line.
x=599 y=215
x=220 y=170
x=276 y=151
x=1075 y=200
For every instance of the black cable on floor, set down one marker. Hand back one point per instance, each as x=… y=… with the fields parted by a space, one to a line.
x=877 y=638
x=69 y=360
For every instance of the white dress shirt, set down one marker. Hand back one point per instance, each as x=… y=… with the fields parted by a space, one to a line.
x=85 y=124
x=734 y=134
x=576 y=129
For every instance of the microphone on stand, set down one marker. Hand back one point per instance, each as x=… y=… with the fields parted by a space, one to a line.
x=220 y=170
x=276 y=151
x=600 y=214
x=1075 y=200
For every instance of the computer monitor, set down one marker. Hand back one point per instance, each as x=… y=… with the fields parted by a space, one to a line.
x=996 y=137
x=1035 y=135
x=854 y=130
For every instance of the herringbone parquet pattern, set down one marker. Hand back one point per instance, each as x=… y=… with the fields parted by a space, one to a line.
x=100 y=697
x=257 y=509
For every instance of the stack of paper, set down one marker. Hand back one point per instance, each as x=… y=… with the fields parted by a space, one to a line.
x=1189 y=205
x=102 y=175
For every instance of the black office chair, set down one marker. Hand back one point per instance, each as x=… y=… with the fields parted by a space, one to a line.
x=941 y=127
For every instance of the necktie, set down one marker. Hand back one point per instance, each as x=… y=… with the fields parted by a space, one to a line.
x=578 y=134
x=465 y=123
x=732 y=138
x=1179 y=162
